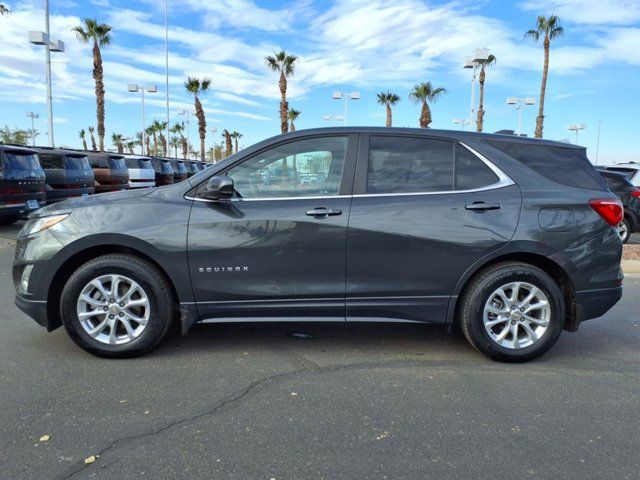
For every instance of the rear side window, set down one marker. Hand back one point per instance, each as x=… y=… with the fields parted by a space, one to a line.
x=166 y=168
x=51 y=161
x=471 y=172
x=405 y=165
x=628 y=172
x=116 y=163
x=17 y=161
x=77 y=163
x=567 y=166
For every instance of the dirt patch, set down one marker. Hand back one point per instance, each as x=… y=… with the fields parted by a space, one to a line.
x=631 y=252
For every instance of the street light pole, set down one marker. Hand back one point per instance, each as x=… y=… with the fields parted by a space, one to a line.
x=598 y=141
x=33 y=116
x=480 y=55
x=576 y=127
x=520 y=103
x=166 y=59
x=346 y=97
x=187 y=113
x=332 y=118
x=134 y=88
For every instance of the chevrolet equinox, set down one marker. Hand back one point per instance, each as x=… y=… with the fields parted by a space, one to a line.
x=512 y=239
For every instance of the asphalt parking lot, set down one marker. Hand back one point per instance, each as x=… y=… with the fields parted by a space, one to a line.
x=376 y=402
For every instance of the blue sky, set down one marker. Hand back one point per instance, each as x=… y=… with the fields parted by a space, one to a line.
x=350 y=45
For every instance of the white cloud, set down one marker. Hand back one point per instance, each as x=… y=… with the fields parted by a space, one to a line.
x=588 y=12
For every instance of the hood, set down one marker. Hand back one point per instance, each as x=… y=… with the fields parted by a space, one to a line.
x=99 y=199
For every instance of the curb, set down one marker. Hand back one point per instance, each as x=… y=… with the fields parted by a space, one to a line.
x=630 y=266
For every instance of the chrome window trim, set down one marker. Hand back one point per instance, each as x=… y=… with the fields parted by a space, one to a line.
x=503 y=181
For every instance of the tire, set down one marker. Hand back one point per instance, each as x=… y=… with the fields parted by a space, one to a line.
x=624 y=230
x=8 y=220
x=480 y=300
x=152 y=301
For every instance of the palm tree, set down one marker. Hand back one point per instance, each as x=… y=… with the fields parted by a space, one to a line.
x=98 y=33
x=284 y=64
x=162 y=126
x=131 y=144
x=197 y=87
x=150 y=132
x=292 y=116
x=388 y=99
x=178 y=128
x=93 y=139
x=550 y=29
x=228 y=145
x=236 y=135
x=83 y=134
x=3 y=9
x=139 y=142
x=118 y=141
x=424 y=93
x=174 y=142
x=491 y=60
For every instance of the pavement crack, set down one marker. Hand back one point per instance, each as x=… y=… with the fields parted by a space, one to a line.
x=235 y=399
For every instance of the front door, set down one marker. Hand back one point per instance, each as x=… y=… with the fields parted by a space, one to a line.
x=278 y=248
x=424 y=210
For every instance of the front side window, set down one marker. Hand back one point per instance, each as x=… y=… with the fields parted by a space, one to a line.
x=409 y=164
x=310 y=167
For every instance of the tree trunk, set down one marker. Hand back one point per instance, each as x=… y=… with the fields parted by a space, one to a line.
x=97 y=76
x=202 y=126
x=425 y=115
x=84 y=144
x=185 y=146
x=148 y=143
x=120 y=148
x=130 y=149
x=94 y=147
x=284 y=105
x=236 y=144
x=163 y=145
x=480 y=118
x=292 y=127
x=228 y=146
x=543 y=89
x=155 y=143
x=389 y=119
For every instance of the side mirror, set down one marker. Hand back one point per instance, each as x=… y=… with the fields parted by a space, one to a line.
x=217 y=188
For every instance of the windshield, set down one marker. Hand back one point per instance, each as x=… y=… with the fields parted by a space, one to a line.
x=628 y=172
x=77 y=163
x=117 y=164
x=142 y=163
x=19 y=161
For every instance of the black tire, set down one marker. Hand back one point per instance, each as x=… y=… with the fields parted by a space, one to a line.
x=8 y=220
x=154 y=284
x=476 y=294
x=627 y=235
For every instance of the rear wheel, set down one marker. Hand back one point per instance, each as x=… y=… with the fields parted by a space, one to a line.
x=512 y=312
x=624 y=230
x=117 y=306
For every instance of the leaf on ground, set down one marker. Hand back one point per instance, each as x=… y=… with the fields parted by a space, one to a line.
x=90 y=459
x=44 y=438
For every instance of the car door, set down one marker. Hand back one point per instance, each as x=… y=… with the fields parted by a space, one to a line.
x=424 y=210
x=278 y=248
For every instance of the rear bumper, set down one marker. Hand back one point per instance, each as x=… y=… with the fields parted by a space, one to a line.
x=36 y=309
x=595 y=303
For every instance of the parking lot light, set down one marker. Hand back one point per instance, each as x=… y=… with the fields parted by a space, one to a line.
x=135 y=88
x=346 y=96
x=333 y=118
x=576 y=127
x=520 y=103
x=461 y=121
x=33 y=116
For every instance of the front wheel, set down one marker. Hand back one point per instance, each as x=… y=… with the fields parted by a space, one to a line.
x=512 y=312
x=117 y=306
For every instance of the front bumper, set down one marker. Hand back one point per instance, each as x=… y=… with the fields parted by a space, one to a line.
x=595 y=303
x=36 y=309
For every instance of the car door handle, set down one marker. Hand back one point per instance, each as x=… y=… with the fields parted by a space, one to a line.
x=323 y=212
x=482 y=206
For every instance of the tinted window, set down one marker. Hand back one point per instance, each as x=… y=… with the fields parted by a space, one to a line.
x=311 y=167
x=116 y=163
x=98 y=162
x=51 y=160
x=77 y=163
x=405 y=164
x=567 y=166
x=165 y=167
x=471 y=172
x=180 y=168
x=628 y=172
x=617 y=182
x=19 y=161
x=142 y=163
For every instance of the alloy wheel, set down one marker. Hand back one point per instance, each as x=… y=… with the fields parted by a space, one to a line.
x=113 y=309
x=623 y=231
x=516 y=315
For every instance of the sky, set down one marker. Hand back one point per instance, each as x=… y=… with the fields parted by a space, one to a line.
x=366 y=46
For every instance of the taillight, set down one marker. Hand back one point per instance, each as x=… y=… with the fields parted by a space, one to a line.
x=636 y=193
x=609 y=209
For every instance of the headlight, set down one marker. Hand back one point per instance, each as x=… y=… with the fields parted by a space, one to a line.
x=39 y=224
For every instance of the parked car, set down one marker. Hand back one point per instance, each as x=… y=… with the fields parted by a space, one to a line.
x=179 y=170
x=110 y=170
x=629 y=195
x=163 y=171
x=141 y=172
x=629 y=169
x=192 y=167
x=67 y=172
x=513 y=239
x=22 y=183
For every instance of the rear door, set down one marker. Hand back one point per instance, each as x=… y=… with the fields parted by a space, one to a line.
x=279 y=248
x=423 y=211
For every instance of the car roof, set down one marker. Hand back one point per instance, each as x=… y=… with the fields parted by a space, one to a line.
x=20 y=148
x=138 y=157
x=61 y=151
x=459 y=135
x=632 y=165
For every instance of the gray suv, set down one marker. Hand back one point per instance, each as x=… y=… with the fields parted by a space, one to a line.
x=511 y=239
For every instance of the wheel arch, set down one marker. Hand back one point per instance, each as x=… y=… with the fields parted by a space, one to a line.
x=88 y=250
x=559 y=271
